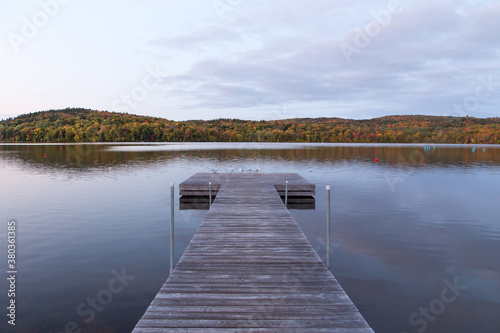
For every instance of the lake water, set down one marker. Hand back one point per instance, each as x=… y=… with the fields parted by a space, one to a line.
x=416 y=236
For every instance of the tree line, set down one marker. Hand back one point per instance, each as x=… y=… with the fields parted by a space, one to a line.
x=83 y=125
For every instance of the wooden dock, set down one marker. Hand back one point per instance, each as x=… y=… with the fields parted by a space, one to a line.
x=249 y=268
x=197 y=185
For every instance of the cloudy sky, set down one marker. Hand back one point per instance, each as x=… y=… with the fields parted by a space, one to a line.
x=206 y=59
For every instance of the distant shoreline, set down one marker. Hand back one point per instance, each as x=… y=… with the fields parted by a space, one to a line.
x=89 y=126
x=289 y=145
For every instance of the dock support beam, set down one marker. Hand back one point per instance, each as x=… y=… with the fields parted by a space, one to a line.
x=172 y=207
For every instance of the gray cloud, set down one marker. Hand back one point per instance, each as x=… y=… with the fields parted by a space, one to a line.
x=428 y=57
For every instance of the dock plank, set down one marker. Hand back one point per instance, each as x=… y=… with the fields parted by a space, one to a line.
x=250 y=268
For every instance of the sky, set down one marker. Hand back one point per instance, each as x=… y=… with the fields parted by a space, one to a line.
x=256 y=60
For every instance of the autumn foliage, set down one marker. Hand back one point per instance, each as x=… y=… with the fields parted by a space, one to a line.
x=82 y=125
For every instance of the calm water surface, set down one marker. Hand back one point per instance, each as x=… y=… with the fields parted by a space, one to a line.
x=404 y=229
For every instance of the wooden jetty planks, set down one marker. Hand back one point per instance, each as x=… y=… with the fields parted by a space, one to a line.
x=249 y=268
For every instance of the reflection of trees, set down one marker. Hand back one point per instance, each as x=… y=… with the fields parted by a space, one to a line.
x=89 y=158
x=77 y=158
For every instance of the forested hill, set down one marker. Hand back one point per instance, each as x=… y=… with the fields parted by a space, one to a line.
x=81 y=125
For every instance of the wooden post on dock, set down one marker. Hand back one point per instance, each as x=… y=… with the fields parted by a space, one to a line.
x=286 y=193
x=172 y=207
x=328 y=228
x=209 y=195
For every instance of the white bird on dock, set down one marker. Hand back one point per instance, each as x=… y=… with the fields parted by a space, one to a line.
x=241 y=169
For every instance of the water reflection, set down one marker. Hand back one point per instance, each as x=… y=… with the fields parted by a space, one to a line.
x=100 y=157
x=400 y=226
